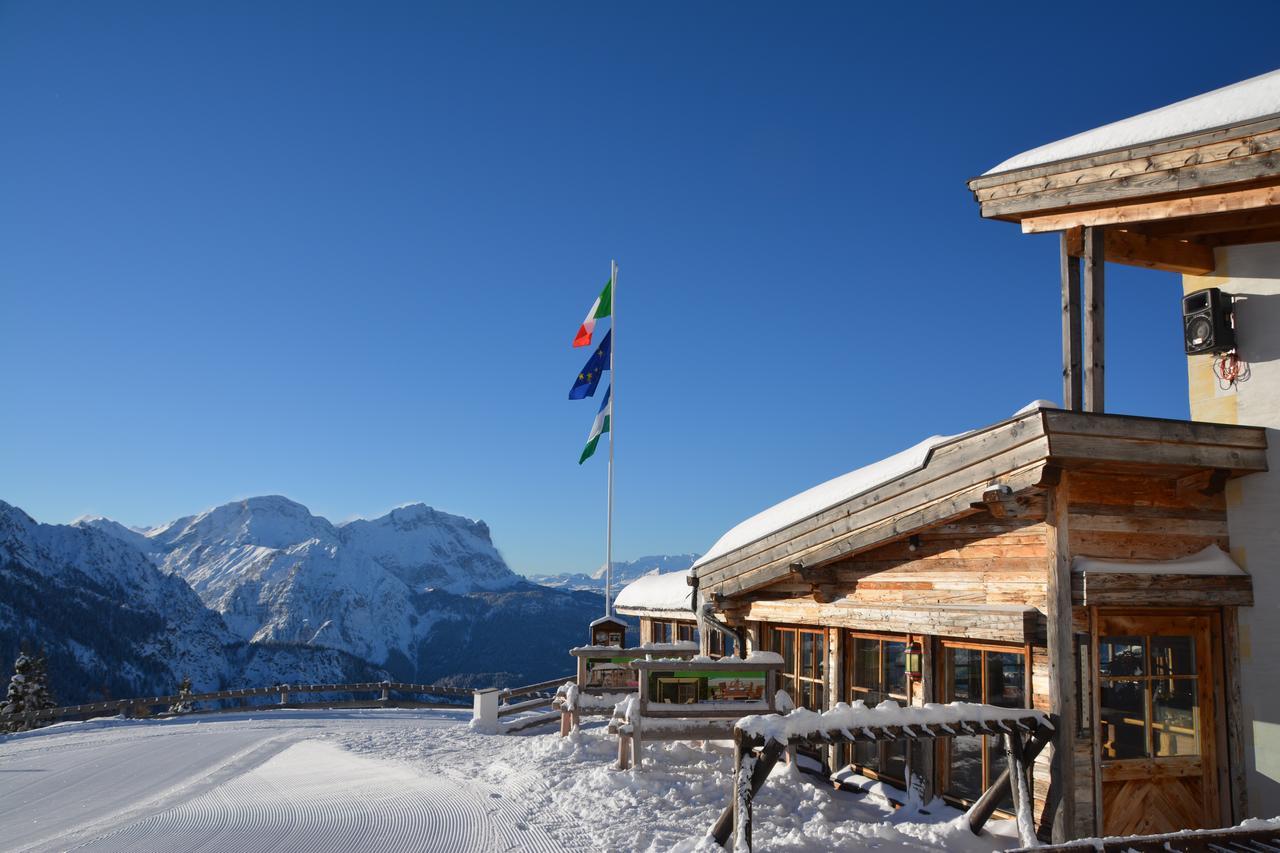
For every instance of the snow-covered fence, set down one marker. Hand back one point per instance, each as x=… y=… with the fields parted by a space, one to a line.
x=143 y=706
x=759 y=741
x=491 y=705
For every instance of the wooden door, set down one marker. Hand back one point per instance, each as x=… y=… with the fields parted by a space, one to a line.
x=1156 y=689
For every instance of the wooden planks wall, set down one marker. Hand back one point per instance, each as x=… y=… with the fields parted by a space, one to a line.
x=1140 y=518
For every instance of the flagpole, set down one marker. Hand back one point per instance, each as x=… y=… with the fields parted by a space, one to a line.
x=613 y=398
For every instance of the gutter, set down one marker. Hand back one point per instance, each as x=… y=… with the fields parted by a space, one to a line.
x=706 y=616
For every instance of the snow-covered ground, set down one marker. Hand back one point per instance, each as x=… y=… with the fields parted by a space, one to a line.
x=419 y=780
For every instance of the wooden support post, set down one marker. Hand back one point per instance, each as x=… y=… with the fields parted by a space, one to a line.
x=1020 y=787
x=1094 y=320
x=744 y=765
x=834 y=688
x=980 y=812
x=762 y=766
x=566 y=723
x=1071 y=364
x=624 y=752
x=1062 y=663
x=922 y=754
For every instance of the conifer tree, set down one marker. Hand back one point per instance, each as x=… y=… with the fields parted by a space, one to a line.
x=41 y=695
x=183 y=705
x=20 y=716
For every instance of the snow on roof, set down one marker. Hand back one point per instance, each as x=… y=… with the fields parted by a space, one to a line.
x=1249 y=99
x=655 y=591
x=802 y=723
x=1211 y=561
x=603 y=619
x=826 y=495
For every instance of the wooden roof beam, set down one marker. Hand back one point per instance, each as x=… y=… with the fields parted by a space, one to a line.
x=1133 y=214
x=1135 y=248
x=1217 y=223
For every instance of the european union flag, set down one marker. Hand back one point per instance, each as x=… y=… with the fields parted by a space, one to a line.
x=595 y=367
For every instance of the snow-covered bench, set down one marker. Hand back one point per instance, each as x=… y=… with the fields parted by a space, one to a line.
x=695 y=699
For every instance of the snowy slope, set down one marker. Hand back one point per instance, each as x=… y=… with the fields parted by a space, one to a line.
x=623 y=572
x=110 y=619
x=417 y=780
x=423 y=593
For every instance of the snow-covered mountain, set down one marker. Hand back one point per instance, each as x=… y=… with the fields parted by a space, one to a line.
x=112 y=622
x=623 y=572
x=397 y=591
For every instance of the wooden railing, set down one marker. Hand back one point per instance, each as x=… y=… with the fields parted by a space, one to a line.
x=494 y=704
x=532 y=697
x=142 y=706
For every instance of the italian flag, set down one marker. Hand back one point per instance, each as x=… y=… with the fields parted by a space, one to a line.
x=601 y=309
x=601 y=425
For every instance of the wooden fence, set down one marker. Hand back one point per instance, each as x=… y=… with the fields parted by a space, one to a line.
x=144 y=706
x=493 y=705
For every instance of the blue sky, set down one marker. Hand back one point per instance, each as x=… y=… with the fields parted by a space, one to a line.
x=338 y=251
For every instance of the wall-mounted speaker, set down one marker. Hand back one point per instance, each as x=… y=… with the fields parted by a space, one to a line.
x=1206 y=321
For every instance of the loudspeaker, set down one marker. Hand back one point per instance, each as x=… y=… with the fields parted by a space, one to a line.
x=1206 y=321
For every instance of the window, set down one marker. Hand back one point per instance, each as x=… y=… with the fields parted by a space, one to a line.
x=686 y=632
x=661 y=631
x=990 y=675
x=715 y=643
x=877 y=668
x=1147 y=691
x=804 y=664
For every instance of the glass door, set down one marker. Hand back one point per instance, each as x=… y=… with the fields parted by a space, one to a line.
x=1156 y=686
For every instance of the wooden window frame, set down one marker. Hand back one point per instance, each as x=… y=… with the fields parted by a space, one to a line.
x=791 y=679
x=942 y=678
x=850 y=692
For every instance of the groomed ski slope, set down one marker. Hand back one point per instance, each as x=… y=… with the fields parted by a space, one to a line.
x=408 y=780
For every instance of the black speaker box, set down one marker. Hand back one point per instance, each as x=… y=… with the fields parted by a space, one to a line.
x=1206 y=321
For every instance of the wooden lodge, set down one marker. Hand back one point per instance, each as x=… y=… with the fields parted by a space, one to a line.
x=1115 y=572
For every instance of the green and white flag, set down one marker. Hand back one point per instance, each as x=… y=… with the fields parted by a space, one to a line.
x=599 y=427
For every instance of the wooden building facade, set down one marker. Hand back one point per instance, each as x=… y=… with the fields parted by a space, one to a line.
x=969 y=560
x=1067 y=560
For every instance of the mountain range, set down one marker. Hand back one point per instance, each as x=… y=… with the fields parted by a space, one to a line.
x=261 y=591
x=624 y=572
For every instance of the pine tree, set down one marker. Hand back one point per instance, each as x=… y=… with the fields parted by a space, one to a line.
x=182 y=706
x=40 y=696
x=20 y=716
x=28 y=693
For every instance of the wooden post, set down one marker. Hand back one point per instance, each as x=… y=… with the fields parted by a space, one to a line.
x=928 y=692
x=624 y=751
x=1094 y=317
x=1071 y=376
x=566 y=723
x=1235 y=714
x=980 y=812
x=759 y=772
x=744 y=765
x=386 y=693
x=1020 y=788
x=834 y=688
x=1062 y=662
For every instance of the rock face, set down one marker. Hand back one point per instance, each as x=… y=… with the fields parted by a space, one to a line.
x=419 y=592
x=114 y=624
